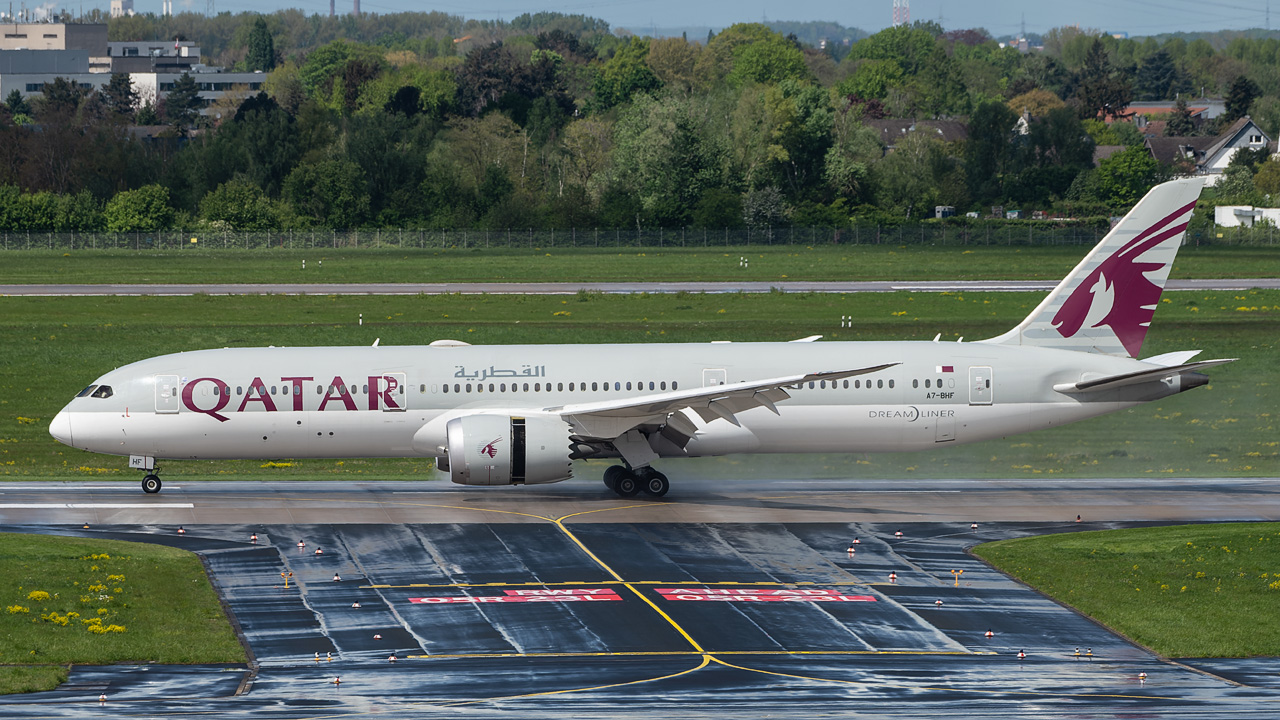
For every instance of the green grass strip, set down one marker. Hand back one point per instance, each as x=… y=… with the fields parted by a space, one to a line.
x=723 y=264
x=91 y=601
x=1184 y=591
x=30 y=678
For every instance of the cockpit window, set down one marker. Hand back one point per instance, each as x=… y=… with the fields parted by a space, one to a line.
x=86 y=391
x=103 y=391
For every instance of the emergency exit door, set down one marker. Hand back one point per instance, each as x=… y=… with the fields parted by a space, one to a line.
x=980 y=381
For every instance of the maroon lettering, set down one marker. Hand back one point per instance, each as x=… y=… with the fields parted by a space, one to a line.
x=223 y=397
x=390 y=385
x=296 y=382
x=257 y=387
x=338 y=391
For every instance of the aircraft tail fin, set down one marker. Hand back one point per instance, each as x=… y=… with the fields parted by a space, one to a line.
x=1106 y=303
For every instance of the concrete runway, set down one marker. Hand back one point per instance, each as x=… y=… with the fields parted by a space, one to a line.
x=568 y=288
x=482 y=596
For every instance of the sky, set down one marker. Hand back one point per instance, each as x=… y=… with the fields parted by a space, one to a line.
x=1000 y=17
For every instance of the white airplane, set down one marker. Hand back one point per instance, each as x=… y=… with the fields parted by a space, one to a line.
x=521 y=414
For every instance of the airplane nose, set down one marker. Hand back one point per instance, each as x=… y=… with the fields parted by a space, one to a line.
x=60 y=428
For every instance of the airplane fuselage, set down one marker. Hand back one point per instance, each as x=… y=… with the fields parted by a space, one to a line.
x=338 y=402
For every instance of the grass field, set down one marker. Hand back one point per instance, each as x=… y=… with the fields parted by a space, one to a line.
x=52 y=347
x=859 y=262
x=1186 y=591
x=92 y=601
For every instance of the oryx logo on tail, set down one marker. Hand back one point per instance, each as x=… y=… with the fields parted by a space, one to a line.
x=1118 y=292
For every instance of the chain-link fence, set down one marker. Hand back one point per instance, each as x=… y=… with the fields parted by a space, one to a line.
x=1026 y=233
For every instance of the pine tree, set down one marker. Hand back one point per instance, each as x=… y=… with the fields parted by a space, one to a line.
x=262 y=48
x=183 y=102
x=1180 y=123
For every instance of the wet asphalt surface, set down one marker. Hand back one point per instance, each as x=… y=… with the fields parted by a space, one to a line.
x=619 y=611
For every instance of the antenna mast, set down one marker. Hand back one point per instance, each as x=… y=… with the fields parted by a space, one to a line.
x=901 y=12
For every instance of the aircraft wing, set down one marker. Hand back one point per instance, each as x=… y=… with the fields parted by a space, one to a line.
x=1133 y=378
x=609 y=419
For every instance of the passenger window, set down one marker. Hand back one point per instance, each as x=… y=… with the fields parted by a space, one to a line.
x=890 y=383
x=490 y=387
x=916 y=383
x=628 y=386
x=537 y=387
x=617 y=386
x=457 y=388
x=811 y=383
x=926 y=383
x=570 y=387
x=526 y=387
x=650 y=384
x=560 y=387
x=239 y=390
x=468 y=387
x=446 y=389
x=594 y=387
x=365 y=389
x=103 y=392
x=822 y=384
x=86 y=391
x=503 y=387
x=846 y=384
x=273 y=389
x=879 y=383
x=674 y=386
x=664 y=384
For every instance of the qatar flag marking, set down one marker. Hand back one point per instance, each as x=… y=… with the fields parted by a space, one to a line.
x=525 y=596
x=946 y=368
x=759 y=595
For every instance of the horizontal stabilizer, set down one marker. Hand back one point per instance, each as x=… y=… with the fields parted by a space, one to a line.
x=1134 y=378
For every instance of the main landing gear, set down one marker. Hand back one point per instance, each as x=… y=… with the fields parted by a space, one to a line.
x=151 y=484
x=629 y=483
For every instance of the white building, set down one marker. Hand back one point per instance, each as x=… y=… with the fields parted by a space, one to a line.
x=33 y=54
x=1244 y=215
x=121 y=8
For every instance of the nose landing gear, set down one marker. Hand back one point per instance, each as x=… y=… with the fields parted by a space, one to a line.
x=151 y=484
x=629 y=483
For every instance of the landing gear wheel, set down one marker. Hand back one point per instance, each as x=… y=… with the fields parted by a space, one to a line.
x=654 y=483
x=151 y=484
x=611 y=476
x=627 y=484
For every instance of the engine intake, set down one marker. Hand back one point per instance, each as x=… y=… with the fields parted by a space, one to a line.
x=503 y=450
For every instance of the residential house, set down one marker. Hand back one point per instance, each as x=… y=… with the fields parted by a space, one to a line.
x=893 y=130
x=1210 y=156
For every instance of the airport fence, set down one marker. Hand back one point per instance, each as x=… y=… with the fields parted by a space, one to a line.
x=1021 y=233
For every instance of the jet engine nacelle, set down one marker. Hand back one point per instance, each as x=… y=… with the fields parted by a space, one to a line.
x=504 y=450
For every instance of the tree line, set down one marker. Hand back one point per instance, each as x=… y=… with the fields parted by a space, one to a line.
x=553 y=121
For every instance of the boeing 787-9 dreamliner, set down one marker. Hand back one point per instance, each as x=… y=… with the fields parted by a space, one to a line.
x=521 y=414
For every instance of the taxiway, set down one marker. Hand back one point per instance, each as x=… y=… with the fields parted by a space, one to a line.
x=724 y=597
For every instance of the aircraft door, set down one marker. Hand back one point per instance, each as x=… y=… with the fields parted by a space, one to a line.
x=980 y=390
x=393 y=392
x=167 y=393
x=712 y=377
